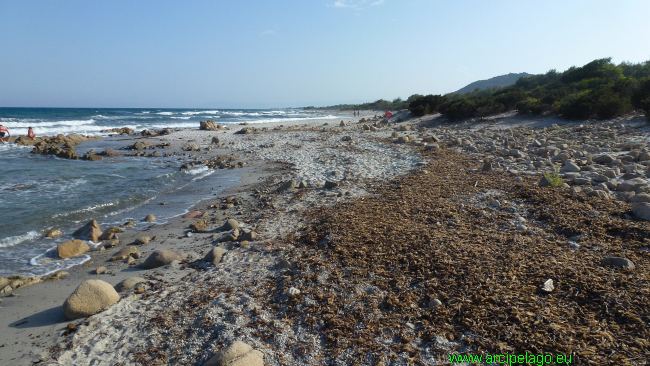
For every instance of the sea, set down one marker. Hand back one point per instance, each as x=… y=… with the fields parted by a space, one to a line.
x=40 y=192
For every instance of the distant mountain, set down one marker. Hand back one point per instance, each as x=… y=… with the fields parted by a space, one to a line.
x=495 y=82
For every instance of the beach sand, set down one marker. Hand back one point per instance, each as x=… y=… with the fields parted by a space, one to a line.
x=330 y=276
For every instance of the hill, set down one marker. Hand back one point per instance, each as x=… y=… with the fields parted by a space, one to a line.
x=492 y=83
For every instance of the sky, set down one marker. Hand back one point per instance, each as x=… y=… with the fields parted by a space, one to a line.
x=292 y=53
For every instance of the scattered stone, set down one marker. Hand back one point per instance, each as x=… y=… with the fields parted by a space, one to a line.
x=237 y=354
x=330 y=184
x=71 y=248
x=200 y=226
x=91 y=297
x=101 y=270
x=618 y=262
x=231 y=224
x=111 y=233
x=641 y=210
x=208 y=125
x=570 y=167
x=129 y=283
x=142 y=240
x=548 y=286
x=215 y=255
x=249 y=235
x=293 y=292
x=150 y=218
x=91 y=231
x=215 y=141
x=191 y=146
x=125 y=253
x=161 y=257
x=288 y=185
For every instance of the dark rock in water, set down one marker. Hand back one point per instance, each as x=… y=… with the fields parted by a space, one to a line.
x=92 y=156
x=25 y=141
x=91 y=231
x=109 y=153
x=618 y=262
x=60 y=146
x=161 y=257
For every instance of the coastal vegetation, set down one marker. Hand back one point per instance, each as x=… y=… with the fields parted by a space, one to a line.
x=600 y=89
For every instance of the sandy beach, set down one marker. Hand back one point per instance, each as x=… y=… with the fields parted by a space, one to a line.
x=372 y=243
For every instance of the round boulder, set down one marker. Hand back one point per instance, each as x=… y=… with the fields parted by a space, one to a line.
x=72 y=248
x=91 y=297
x=237 y=354
x=161 y=257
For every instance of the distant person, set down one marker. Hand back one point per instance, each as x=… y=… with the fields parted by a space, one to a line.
x=30 y=133
x=388 y=115
x=4 y=133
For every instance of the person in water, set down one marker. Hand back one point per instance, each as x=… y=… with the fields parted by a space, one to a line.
x=4 y=133
x=30 y=133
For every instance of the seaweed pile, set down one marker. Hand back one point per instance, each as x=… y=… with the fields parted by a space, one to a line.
x=423 y=263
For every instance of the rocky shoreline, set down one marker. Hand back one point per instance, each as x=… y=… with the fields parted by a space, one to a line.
x=355 y=241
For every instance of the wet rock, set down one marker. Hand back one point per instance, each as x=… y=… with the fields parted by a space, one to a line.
x=150 y=218
x=237 y=354
x=129 y=283
x=71 y=248
x=111 y=233
x=53 y=233
x=161 y=257
x=91 y=231
x=618 y=262
x=91 y=155
x=215 y=255
x=91 y=297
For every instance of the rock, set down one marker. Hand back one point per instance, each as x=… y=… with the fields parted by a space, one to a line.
x=214 y=255
x=246 y=131
x=129 y=283
x=91 y=231
x=150 y=218
x=231 y=224
x=603 y=159
x=641 y=197
x=618 y=262
x=161 y=257
x=435 y=303
x=237 y=354
x=342 y=124
x=101 y=270
x=91 y=297
x=191 y=146
x=193 y=215
x=248 y=235
x=570 y=167
x=330 y=184
x=111 y=233
x=91 y=155
x=293 y=292
x=303 y=184
x=208 y=125
x=346 y=138
x=548 y=286
x=71 y=248
x=402 y=140
x=142 y=240
x=131 y=223
x=125 y=253
x=200 y=226
x=53 y=233
x=138 y=145
x=288 y=185
x=215 y=141
x=641 y=210
x=6 y=290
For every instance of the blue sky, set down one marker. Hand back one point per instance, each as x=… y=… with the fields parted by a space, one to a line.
x=160 y=53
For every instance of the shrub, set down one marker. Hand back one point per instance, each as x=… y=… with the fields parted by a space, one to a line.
x=553 y=179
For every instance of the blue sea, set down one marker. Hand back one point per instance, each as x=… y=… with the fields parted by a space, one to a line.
x=38 y=192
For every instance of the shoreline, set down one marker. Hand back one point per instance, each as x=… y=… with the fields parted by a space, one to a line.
x=294 y=177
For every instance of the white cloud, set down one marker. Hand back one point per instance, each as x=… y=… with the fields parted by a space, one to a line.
x=268 y=32
x=356 y=4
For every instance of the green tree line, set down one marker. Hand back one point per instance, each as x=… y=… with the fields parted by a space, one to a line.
x=599 y=89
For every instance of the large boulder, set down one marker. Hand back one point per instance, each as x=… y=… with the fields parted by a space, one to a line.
x=161 y=257
x=91 y=231
x=91 y=297
x=237 y=354
x=72 y=248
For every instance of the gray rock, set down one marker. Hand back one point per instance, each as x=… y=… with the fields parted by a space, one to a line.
x=129 y=283
x=618 y=262
x=570 y=167
x=641 y=210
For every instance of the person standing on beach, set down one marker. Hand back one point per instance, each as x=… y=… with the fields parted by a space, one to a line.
x=4 y=132
x=30 y=133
